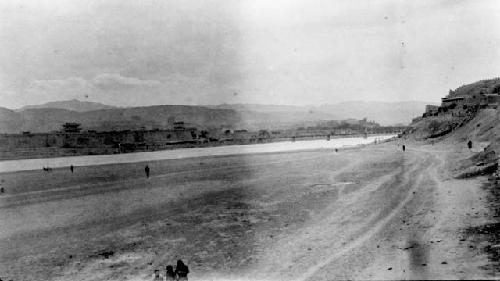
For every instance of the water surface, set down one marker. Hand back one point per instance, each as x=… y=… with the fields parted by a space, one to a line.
x=90 y=160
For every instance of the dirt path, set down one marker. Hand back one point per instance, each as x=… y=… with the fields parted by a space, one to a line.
x=406 y=225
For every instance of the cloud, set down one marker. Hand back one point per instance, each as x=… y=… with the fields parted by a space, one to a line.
x=115 y=81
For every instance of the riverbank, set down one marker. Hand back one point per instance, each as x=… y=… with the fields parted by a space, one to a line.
x=33 y=164
x=17 y=153
x=368 y=213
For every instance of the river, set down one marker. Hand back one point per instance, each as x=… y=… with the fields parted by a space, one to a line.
x=90 y=160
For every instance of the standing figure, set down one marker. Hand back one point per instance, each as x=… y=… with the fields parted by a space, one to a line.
x=71 y=168
x=170 y=274
x=156 y=276
x=147 y=171
x=469 y=144
x=404 y=147
x=181 y=270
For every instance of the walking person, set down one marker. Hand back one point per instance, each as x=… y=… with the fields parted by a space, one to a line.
x=469 y=144
x=147 y=171
x=170 y=274
x=181 y=270
x=404 y=147
x=156 y=276
x=71 y=168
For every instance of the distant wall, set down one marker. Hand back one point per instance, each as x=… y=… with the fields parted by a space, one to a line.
x=94 y=139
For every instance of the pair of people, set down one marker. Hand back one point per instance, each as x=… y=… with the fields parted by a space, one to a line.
x=179 y=274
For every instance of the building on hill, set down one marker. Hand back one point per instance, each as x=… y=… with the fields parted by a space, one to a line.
x=467 y=100
x=449 y=101
x=431 y=110
x=495 y=89
x=71 y=127
x=179 y=125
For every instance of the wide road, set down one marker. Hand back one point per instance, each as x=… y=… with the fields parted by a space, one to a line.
x=374 y=212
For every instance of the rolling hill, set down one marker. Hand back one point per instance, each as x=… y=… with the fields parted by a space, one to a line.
x=73 y=105
x=10 y=121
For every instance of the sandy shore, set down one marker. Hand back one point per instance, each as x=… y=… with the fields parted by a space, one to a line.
x=368 y=213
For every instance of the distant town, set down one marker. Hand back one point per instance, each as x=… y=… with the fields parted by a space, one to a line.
x=73 y=139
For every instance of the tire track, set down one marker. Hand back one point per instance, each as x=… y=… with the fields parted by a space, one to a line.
x=376 y=228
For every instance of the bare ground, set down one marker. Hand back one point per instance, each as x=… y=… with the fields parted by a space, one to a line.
x=370 y=213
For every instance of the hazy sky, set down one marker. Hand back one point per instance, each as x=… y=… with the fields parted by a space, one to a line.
x=250 y=51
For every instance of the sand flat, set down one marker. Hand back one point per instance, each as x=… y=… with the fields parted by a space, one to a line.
x=305 y=215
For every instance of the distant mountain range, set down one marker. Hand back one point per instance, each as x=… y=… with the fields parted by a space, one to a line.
x=50 y=116
x=385 y=113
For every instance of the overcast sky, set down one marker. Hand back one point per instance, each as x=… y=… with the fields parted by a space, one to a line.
x=250 y=51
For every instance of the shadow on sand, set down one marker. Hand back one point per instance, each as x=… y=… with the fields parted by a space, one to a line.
x=418 y=257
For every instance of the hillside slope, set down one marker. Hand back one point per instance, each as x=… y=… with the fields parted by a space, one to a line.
x=73 y=105
x=466 y=104
x=10 y=121
x=489 y=86
x=49 y=119
x=474 y=118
